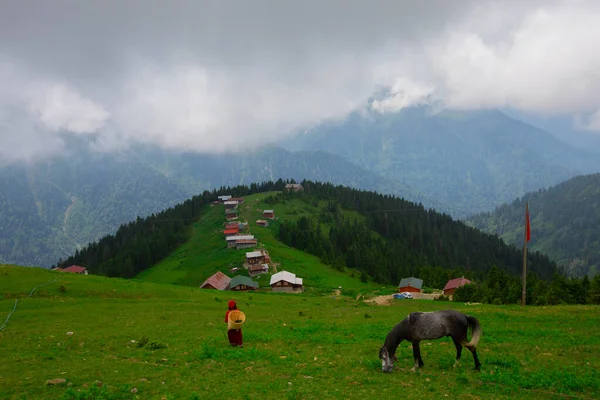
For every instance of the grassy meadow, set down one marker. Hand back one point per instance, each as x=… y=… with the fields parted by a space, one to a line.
x=169 y=342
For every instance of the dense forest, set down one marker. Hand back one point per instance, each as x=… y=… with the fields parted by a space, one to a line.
x=384 y=237
x=400 y=238
x=500 y=288
x=140 y=244
x=564 y=223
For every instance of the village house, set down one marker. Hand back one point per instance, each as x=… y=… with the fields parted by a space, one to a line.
x=454 y=284
x=231 y=240
x=230 y=215
x=245 y=243
x=231 y=232
x=256 y=257
x=240 y=200
x=218 y=281
x=262 y=222
x=269 y=214
x=296 y=187
x=75 y=269
x=224 y=198
x=285 y=281
x=410 y=285
x=230 y=204
x=258 y=269
x=242 y=283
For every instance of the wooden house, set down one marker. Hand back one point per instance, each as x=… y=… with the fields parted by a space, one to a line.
x=231 y=240
x=256 y=257
x=245 y=243
x=285 y=281
x=230 y=232
x=223 y=198
x=270 y=214
x=218 y=281
x=230 y=215
x=75 y=269
x=410 y=285
x=258 y=269
x=242 y=283
x=230 y=204
x=262 y=222
x=454 y=284
x=240 y=200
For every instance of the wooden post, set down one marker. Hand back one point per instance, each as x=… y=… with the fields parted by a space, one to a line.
x=524 y=293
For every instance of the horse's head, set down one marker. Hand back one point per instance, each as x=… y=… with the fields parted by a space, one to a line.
x=387 y=361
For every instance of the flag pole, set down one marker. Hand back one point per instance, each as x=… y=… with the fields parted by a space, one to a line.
x=525 y=239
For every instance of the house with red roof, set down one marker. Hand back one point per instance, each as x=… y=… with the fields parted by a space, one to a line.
x=219 y=281
x=454 y=284
x=76 y=269
x=231 y=232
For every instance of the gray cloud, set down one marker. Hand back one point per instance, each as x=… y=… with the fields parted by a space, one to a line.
x=216 y=76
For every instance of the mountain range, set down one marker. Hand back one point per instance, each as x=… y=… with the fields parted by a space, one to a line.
x=460 y=163
x=468 y=161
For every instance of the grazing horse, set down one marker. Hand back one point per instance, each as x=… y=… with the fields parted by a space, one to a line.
x=431 y=325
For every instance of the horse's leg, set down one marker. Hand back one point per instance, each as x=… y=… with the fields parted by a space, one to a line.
x=475 y=358
x=458 y=351
x=416 y=355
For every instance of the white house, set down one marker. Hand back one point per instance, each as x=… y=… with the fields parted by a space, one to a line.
x=285 y=281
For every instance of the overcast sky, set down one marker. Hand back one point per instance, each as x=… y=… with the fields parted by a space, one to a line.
x=214 y=75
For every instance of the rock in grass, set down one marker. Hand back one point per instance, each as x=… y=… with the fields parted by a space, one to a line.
x=58 y=381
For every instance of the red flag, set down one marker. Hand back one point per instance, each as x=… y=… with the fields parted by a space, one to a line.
x=527 y=224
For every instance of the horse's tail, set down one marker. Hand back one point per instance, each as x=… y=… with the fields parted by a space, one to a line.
x=475 y=332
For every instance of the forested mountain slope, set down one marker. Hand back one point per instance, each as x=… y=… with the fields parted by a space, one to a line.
x=564 y=223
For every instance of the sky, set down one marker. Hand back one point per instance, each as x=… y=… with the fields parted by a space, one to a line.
x=215 y=76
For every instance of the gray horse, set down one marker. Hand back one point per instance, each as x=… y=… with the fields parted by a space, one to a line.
x=431 y=325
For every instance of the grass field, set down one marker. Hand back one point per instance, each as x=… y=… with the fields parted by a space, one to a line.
x=296 y=345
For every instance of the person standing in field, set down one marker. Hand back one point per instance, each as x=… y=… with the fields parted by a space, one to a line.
x=234 y=335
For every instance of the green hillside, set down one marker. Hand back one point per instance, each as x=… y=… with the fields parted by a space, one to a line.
x=564 y=223
x=169 y=342
x=205 y=252
x=329 y=236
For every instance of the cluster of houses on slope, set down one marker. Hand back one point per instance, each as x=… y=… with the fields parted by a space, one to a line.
x=415 y=285
x=257 y=262
x=283 y=281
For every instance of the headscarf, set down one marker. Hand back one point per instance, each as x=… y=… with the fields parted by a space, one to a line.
x=232 y=305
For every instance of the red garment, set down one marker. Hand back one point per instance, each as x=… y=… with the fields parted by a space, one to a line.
x=234 y=335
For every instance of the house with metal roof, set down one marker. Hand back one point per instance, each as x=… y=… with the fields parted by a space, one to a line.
x=269 y=214
x=241 y=283
x=231 y=240
x=256 y=257
x=454 y=284
x=410 y=285
x=75 y=269
x=258 y=269
x=218 y=281
x=285 y=281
